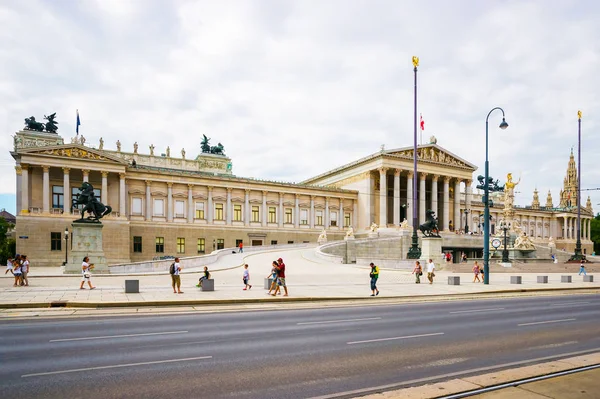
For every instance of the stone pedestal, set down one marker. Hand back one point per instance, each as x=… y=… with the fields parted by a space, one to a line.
x=516 y=279
x=208 y=285
x=542 y=279
x=588 y=279
x=322 y=240
x=86 y=240
x=132 y=286
x=373 y=234
x=565 y=279
x=453 y=280
x=268 y=282
x=431 y=248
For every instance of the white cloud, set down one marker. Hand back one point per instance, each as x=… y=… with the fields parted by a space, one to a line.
x=308 y=85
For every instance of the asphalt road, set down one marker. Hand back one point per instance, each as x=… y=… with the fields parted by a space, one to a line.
x=287 y=353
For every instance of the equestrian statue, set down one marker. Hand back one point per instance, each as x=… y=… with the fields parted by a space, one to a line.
x=91 y=205
x=430 y=227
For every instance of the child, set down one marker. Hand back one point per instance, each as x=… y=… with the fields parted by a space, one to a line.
x=205 y=277
x=246 y=278
x=9 y=265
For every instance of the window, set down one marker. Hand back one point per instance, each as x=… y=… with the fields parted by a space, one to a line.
x=304 y=216
x=199 y=210
x=220 y=243
x=346 y=220
x=58 y=197
x=255 y=213
x=319 y=218
x=160 y=244
x=159 y=207
x=55 y=241
x=333 y=219
x=273 y=242
x=272 y=214
x=180 y=245
x=137 y=244
x=237 y=213
x=218 y=211
x=179 y=209
x=136 y=206
x=201 y=245
x=238 y=242
x=288 y=215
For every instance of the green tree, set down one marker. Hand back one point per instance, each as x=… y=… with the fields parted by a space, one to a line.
x=595 y=233
x=8 y=246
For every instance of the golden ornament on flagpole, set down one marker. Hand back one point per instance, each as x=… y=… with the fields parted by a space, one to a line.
x=415 y=61
x=578 y=113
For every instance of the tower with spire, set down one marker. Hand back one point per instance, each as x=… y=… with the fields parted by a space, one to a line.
x=535 y=204
x=568 y=195
x=549 y=203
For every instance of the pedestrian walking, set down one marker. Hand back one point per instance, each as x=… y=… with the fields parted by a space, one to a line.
x=464 y=257
x=582 y=269
x=9 y=265
x=481 y=271
x=430 y=271
x=205 y=276
x=476 y=272
x=86 y=271
x=24 y=270
x=374 y=275
x=241 y=247
x=273 y=277
x=418 y=272
x=17 y=271
x=246 y=278
x=175 y=271
x=280 y=278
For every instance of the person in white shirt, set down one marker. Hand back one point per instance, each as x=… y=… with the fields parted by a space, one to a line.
x=9 y=265
x=24 y=270
x=86 y=270
x=430 y=271
x=176 y=278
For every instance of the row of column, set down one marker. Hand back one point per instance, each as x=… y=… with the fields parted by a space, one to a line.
x=247 y=208
x=570 y=228
x=383 y=217
x=24 y=186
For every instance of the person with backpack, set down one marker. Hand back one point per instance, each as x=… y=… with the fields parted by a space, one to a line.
x=374 y=274
x=174 y=270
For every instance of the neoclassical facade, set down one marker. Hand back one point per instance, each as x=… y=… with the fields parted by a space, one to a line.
x=181 y=206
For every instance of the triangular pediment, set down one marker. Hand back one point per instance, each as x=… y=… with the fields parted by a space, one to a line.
x=73 y=151
x=432 y=153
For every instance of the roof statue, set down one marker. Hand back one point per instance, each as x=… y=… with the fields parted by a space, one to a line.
x=101 y=146
x=206 y=148
x=32 y=124
x=91 y=205
x=204 y=144
x=51 y=124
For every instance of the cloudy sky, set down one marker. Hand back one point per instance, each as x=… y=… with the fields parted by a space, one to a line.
x=294 y=88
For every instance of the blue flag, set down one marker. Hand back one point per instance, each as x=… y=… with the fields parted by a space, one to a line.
x=78 y=123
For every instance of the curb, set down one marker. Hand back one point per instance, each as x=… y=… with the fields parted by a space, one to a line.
x=194 y=302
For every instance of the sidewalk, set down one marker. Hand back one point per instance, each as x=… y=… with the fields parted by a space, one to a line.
x=308 y=278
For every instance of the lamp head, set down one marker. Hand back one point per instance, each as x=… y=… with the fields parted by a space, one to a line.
x=66 y=232
x=503 y=124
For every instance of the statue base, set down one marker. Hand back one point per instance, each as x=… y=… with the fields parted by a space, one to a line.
x=86 y=240
x=373 y=234
x=431 y=248
x=349 y=238
x=322 y=241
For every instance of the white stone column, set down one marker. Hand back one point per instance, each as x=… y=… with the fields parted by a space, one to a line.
x=210 y=211
x=66 y=191
x=355 y=214
x=148 y=201
x=327 y=216
x=169 y=201
x=457 y=218
x=228 y=211
x=247 y=208
x=341 y=214
x=409 y=198
x=382 y=197
x=565 y=227
x=422 y=196
x=191 y=205
x=46 y=189
x=24 y=189
x=434 y=195
x=264 y=209
x=397 y=197
x=312 y=212
x=588 y=229
x=122 y=195
x=468 y=192
x=86 y=175
x=446 y=218
x=104 y=190
x=281 y=215
x=297 y=212
x=19 y=182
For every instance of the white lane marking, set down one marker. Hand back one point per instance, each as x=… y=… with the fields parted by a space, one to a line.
x=393 y=338
x=544 y=322
x=549 y=346
x=476 y=310
x=116 y=366
x=568 y=303
x=117 y=336
x=336 y=321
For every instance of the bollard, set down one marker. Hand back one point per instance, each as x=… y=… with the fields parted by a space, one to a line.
x=132 y=286
x=565 y=279
x=542 y=279
x=208 y=285
x=268 y=282
x=588 y=279
x=516 y=280
x=453 y=280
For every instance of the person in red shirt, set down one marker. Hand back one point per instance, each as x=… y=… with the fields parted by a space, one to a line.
x=280 y=278
x=241 y=247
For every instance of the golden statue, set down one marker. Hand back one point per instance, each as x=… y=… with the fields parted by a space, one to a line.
x=509 y=191
x=415 y=61
x=578 y=113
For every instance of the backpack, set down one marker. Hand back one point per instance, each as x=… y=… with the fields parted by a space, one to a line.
x=172 y=268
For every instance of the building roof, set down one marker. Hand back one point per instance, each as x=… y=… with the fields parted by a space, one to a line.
x=9 y=217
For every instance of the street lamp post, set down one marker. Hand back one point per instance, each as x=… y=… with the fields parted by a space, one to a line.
x=578 y=256
x=414 y=251
x=66 y=245
x=505 y=227
x=467 y=221
x=486 y=213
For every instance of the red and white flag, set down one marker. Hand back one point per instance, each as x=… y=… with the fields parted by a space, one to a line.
x=422 y=123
